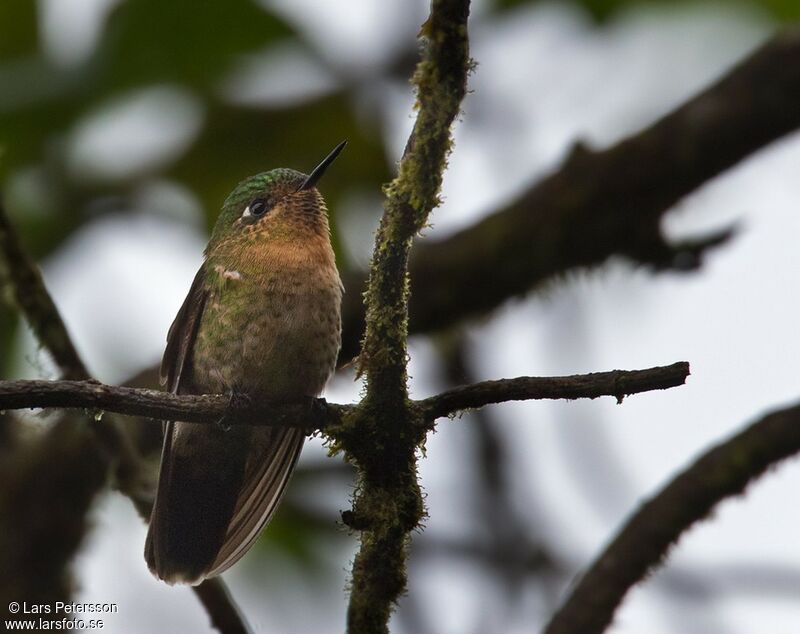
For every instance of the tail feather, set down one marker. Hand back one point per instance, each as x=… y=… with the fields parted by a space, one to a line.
x=265 y=485
x=217 y=489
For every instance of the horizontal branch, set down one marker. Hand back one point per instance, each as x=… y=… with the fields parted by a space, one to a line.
x=617 y=383
x=207 y=408
x=316 y=414
x=599 y=204
x=646 y=538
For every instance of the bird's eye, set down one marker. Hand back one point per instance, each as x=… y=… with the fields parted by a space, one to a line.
x=257 y=208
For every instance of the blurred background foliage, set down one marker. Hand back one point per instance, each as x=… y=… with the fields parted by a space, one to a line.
x=189 y=59
x=186 y=50
x=212 y=78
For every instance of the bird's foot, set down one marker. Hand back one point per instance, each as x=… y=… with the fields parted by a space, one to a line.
x=237 y=400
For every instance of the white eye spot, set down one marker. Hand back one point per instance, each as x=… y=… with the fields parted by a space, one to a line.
x=247 y=213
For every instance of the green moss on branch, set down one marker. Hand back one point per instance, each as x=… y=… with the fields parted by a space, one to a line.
x=388 y=503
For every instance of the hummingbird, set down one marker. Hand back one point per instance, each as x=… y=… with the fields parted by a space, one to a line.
x=262 y=319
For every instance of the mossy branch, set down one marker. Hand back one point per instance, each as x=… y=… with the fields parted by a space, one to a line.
x=440 y=80
x=646 y=538
x=388 y=502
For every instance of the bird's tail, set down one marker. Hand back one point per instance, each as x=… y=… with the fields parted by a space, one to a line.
x=216 y=491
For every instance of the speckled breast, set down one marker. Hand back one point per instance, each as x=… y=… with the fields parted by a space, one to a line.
x=276 y=337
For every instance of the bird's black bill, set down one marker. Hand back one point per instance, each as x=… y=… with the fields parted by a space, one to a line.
x=319 y=170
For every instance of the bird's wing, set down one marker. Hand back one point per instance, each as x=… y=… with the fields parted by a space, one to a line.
x=271 y=460
x=175 y=369
x=217 y=489
x=182 y=333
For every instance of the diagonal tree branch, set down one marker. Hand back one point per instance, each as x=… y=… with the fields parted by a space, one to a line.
x=25 y=281
x=645 y=539
x=221 y=609
x=96 y=447
x=599 y=204
x=318 y=414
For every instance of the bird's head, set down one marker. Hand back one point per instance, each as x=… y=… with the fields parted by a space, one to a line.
x=276 y=203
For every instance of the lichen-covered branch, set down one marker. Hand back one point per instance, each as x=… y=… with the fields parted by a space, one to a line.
x=317 y=413
x=617 y=383
x=600 y=204
x=441 y=82
x=645 y=539
x=386 y=430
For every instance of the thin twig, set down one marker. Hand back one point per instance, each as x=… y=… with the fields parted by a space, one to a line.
x=645 y=539
x=617 y=383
